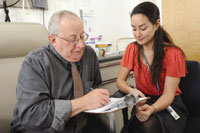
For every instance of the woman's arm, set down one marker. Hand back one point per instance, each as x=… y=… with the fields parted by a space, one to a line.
x=122 y=82
x=170 y=87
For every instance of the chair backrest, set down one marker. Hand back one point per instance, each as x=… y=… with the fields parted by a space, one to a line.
x=17 y=39
x=190 y=87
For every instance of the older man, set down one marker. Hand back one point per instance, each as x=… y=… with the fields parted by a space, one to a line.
x=45 y=90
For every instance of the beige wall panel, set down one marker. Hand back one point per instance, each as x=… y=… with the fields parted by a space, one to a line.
x=181 y=18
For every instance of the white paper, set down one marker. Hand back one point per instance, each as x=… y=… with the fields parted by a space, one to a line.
x=116 y=104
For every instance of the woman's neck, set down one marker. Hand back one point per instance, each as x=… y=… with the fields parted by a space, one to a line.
x=148 y=48
x=148 y=53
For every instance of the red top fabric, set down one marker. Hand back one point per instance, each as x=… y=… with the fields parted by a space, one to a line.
x=173 y=65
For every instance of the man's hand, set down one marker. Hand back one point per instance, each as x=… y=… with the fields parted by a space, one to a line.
x=95 y=99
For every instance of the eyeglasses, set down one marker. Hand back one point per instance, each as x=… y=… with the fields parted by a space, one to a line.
x=75 y=40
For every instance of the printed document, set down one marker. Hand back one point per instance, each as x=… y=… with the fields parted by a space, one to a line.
x=116 y=104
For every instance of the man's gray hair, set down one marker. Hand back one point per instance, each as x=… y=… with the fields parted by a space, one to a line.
x=54 y=22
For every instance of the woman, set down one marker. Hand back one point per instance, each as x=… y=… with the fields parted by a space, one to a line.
x=158 y=66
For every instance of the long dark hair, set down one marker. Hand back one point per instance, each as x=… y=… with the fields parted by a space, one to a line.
x=161 y=38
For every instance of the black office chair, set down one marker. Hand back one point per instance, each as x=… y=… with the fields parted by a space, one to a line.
x=190 y=87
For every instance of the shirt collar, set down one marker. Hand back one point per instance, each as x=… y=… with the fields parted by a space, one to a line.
x=65 y=62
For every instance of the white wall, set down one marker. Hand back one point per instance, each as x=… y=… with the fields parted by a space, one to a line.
x=110 y=18
x=36 y=15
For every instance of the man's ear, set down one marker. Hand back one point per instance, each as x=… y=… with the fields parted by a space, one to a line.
x=51 y=38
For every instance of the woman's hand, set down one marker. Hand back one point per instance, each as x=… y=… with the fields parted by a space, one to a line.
x=137 y=93
x=143 y=112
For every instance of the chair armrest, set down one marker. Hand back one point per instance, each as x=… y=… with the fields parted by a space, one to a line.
x=108 y=121
x=119 y=94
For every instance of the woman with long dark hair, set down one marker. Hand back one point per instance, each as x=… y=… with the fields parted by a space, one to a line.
x=158 y=65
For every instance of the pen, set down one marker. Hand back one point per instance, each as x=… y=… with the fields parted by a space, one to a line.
x=91 y=88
